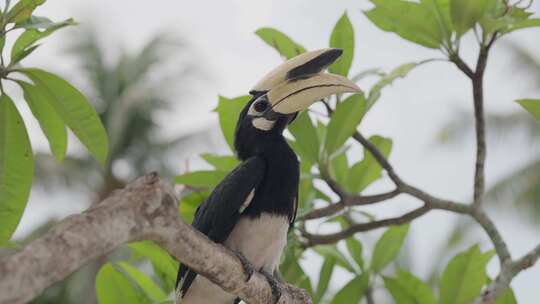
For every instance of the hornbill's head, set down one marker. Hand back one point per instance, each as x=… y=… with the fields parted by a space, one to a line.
x=288 y=89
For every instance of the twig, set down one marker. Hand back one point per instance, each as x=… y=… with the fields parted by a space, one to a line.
x=145 y=209
x=319 y=239
x=348 y=201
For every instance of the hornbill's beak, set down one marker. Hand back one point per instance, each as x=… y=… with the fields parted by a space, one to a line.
x=300 y=81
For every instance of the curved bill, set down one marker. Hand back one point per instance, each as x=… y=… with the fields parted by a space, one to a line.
x=300 y=81
x=298 y=95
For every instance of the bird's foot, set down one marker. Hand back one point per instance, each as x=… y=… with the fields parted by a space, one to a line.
x=274 y=285
x=248 y=268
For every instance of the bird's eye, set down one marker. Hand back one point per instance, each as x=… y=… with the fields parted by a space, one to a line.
x=260 y=106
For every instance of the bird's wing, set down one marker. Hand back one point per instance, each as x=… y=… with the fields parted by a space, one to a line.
x=219 y=213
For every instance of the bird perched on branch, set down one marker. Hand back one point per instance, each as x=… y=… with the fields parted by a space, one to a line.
x=252 y=209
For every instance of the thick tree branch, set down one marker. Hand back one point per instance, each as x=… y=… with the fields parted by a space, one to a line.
x=145 y=210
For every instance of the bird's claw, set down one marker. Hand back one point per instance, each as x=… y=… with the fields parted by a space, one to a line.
x=248 y=268
x=274 y=285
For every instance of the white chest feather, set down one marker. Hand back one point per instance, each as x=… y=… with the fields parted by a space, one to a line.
x=261 y=240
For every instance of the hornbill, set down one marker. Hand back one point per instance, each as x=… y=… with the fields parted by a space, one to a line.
x=252 y=209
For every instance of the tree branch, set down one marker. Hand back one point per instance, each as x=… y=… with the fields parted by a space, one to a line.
x=145 y=210
x=508 y=271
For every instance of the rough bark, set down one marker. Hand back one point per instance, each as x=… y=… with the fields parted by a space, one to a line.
x=145 y=210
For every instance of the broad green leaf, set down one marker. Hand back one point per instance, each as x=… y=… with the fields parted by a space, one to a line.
x=324 y=278
x=355 y=250
x=229 y=111
x=412 y=21
x=464 y=277
x=441 y=10
x=331 y=251
x=221 y=162
x=342 y=37
x=388 y=246
x=534 y=22
x=22 y=10
x=165 y=266
x=30 y=36
x=353 y=291
x=498 y=18
x=112 y=287
x=51 y=123
x=294 y=274
x=465 y=13
x=365 y=172
x=339 y=167
x=507 y=297
x=532 y=106
x=202 y=179
x=74 y=109
x=408 y=289
x=344 y=121
x=150 y=289
x=16 y=168
x=189 y=203
x=306 y=194
x=399 y=72
x=23 y=54
x=306 y=137
x=285 y=46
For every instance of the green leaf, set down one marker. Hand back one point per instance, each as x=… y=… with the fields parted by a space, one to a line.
x=203 y=179
x=355 y=250
x=441 y=10
x=31 y=35
x=339 y=167
x=74 y=109
x=221 y=162
x=507 y=297
x=16 y=168
x=324 y=278
x=228 y=111
x=43 y=23
x=399 y=72
x=342 y=37
x=189 y=204
x=23 y=54
x=388 y=246
x=331 y=251
x=285 y=46
x=353 y=291
x=408 y=289
x=344 y=121
x=165 y=266
x=306 y=137
x=294 y=274
x=112 y=287
x=464 y=276
x=22 y=10
x=51 y=123
x=412 y=21
x=465 y=13
x=532 y=106
x=365 y=172
x=150 y=289
x=534 y=22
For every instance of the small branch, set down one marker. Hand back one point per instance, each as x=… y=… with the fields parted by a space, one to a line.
x=319 y=239
x=460 y=64
x=509 y=270
x=145 y=210
x=489 y=227
x=348 y=201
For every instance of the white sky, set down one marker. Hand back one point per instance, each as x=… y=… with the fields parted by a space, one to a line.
x=410 y=112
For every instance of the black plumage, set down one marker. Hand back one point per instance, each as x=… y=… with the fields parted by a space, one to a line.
x=269 y=168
